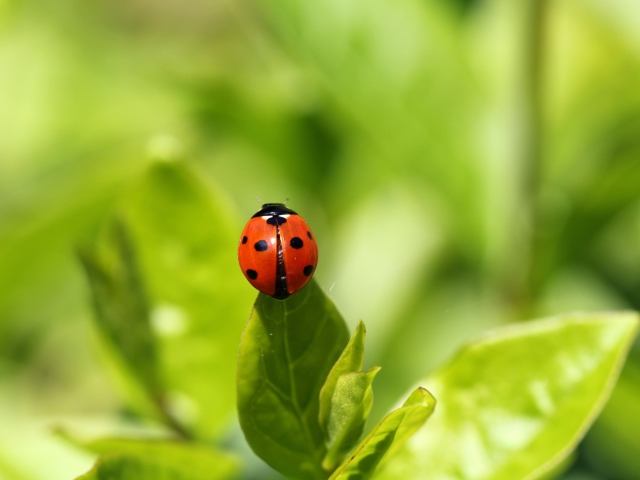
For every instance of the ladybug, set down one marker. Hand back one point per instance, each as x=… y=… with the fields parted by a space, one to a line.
x=277 y=251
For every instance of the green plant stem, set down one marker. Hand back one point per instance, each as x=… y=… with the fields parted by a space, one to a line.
x=171 y=421
x=523 y=280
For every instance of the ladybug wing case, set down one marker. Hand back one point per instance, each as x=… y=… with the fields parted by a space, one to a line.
x=258 y=254
x=300 y=252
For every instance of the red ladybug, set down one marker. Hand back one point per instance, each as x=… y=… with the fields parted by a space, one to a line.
x=277 y=252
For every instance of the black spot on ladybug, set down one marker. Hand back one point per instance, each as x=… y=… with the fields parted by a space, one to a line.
x=296 y=242
x=244 y=239
x=308 y=270
x=309 y=235
x=261 y=246
x=252 y=274
x=276 y=220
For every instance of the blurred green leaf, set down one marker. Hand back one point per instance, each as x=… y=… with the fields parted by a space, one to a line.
x=420 y=125
x=147 y=460
x=287 y=351
x=10 y=471
x=122 y=311
x=387 y=437
x=188 y=244
x=351 y=360
x=612 y=446
x=515 y=403
x=350 y=407
x=405 y=110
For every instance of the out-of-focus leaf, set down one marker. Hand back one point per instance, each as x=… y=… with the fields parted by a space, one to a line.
x=287 y=351
x=416 y=107
x=188 y=254
x=515 y=403
x=612 y=446
x=122 y=311
x=350 y=407
x=144 y=460
x=431 y=331
x=11 y=471
x=351 y=360
x=28 y=451
x=387 y=437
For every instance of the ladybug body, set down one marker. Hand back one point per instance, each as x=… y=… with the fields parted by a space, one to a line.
x=277 y=251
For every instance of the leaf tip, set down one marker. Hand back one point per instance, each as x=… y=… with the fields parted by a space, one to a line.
x=420 y=396
x=361 y=328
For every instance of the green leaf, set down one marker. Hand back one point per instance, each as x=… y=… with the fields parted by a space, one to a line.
x=148 y=460
x=287 y=351
x=387 y=437
x=350 y=407
x=120 y=303
x=515 y=403
x=188 y=241
x=613 y=444
x=351 y=360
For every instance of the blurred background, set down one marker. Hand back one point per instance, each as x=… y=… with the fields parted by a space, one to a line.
x=463 y=163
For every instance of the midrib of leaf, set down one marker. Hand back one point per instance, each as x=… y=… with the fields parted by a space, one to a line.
x=362 y=446
x=292 y=387
x=291 y=398
x=279 y=419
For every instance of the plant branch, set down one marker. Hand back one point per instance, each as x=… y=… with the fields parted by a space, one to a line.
x=524 y=289
x=170 y=420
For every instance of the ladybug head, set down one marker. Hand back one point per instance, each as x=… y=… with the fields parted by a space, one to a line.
x=274 y=209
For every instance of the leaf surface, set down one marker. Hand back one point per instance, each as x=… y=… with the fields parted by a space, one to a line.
x=351 y=404
x=149 y=460
x=613 y=443
x=121 y=306
x=187 y=243
x=514 y=404
x=287 y=351
x=387 y=437
x=351 y=360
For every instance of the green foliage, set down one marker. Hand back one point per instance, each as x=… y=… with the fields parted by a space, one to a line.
x=388 y=437
x=460 y=172
x=287 y=350
x=173 y=344
x=516 y=402
x=303 y=398
x=350 y=407
x=350 y=360
x=612 y=440
x=157 y=340
x=121 y=306
x=155 y=460
x=290 y=348
x=189 y=262
x=345 y=400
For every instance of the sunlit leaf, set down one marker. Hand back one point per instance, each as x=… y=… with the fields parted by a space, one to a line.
x=121 y=306
x=350 y=407
x=287 y=351
x=513 y=404
x=146 y=460
x=187 y=242
x=613 y=446
x=387 y=437
x=351 y=360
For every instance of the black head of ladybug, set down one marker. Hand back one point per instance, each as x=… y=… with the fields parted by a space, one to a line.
x=274 y=209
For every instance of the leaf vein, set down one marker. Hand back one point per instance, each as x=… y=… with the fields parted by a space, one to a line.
x=311 y=341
